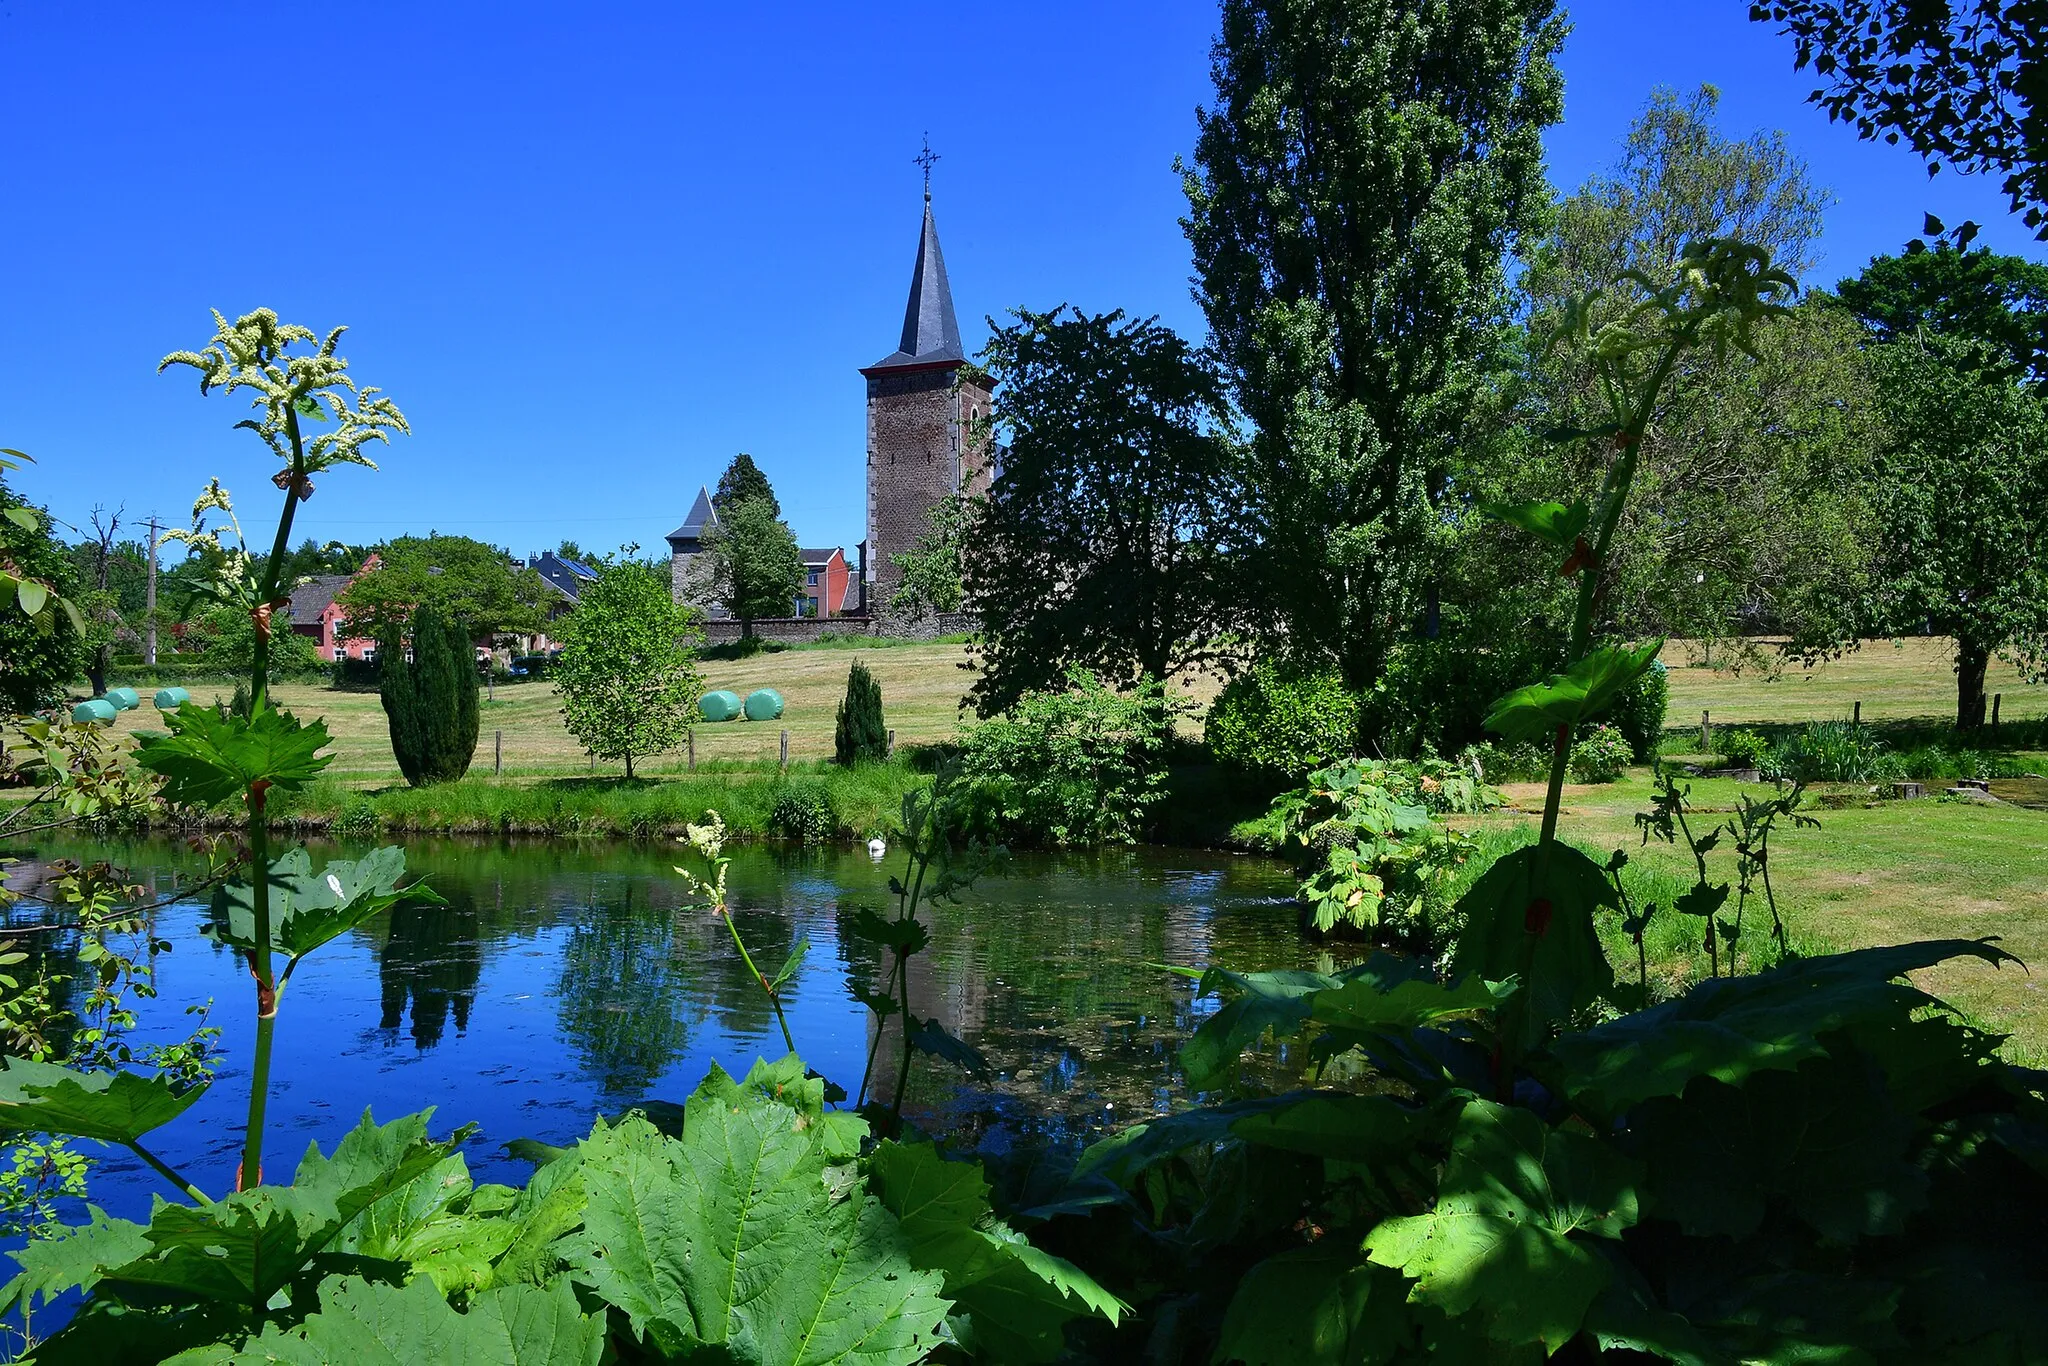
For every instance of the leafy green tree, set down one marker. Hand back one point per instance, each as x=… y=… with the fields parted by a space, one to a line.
x=627 y=676
x=743 y=482
x=756 y=568
x=2001 y=301
x=1748 y=512
x=1957 y=81
x=1365 y=167
x=224 y=638
x=1102 y=545
x=931 y=568
x=464 y=580
x=1962 y=492
x=431 y=700
x=858 y=732
x=40 y=650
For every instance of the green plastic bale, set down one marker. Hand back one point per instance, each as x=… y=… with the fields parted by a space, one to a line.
x=170 y=699
x=722 y=705
x=94 y=709
x=124 y=699
x=764 y=704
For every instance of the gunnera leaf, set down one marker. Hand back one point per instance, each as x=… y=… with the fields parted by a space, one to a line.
x=1552 y=898
x=113 y=1107
x=1321 y=1305
x=1499 y=1248
x=207 y=759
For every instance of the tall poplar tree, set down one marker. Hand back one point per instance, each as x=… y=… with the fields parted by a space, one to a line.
x=1365 y=167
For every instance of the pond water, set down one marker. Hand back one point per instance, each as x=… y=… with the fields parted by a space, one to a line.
x=565 y=981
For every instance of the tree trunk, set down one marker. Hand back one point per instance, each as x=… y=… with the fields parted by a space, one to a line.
x=96 y=673
x=629 y=767
x=1972 y=660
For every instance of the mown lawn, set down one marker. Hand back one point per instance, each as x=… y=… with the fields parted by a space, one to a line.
x=1896 y=681
x=1872 y=874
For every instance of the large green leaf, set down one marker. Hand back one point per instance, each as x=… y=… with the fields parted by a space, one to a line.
x=1552 y=899
x=243 y=1249
x=1011 y=1301
x=1730 y=1027
x=207 y=758
x=730 y=1240
x=1552 y=522
x=1384 y=992
x=71 y=1257
x=1579 y=694
x=1335 y=1125
x=1499 y=1245
x=787 y=1082
x=309 y=909
x=1822 y=1140
x=361 y=1324
x=114 y=1107
x=1322 y=1305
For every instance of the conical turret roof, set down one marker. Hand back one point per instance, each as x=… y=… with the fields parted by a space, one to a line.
x=931 y=332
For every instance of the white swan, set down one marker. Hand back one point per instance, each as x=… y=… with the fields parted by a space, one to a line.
x=877 y=848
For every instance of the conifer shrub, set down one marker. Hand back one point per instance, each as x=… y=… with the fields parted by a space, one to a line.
x=430 y=702
x=1282 y=723
x=859 y=734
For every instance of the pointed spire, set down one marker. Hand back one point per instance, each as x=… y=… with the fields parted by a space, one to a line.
x=931 y=332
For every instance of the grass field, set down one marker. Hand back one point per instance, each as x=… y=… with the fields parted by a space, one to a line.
x=1896 y=681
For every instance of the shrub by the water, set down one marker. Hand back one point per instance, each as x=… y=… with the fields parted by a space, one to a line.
x=1738 y=748
x=1837 y=752
x=1078 y=767
x=1289 y=724
x=858 y=733
x=1600 y=756
x=1639 y=711
x=803 y=811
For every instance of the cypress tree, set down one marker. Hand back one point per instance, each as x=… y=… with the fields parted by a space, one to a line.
x=431 y=702
x=859 y=733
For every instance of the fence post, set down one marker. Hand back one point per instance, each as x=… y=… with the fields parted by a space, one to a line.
x=890 y=752
x=497 y=753
x=693 y=749
x=784 y=761
x=1856 y=718
x=1996 y=698
x=1706 y=735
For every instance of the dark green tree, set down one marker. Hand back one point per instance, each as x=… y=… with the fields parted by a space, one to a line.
x=1962 y=491
x=431 y=700
x=1365 y=167
x=743 y=482
x=1103 y=544
x=464 y=580
x=756 y=567
x=1958 y=80
x=858 y=732
x=42 y=653
x=2001 y=301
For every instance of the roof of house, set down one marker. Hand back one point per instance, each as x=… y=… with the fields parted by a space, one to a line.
x=824 y=556
x=703 y=517
x=312 y=597
x=850 y=600
x=931 y=333
x=564 y=575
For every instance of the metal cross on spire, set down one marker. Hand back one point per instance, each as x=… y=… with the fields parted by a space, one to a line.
x=925 y=159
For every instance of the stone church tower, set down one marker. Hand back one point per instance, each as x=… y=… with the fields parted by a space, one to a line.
x=925 y=403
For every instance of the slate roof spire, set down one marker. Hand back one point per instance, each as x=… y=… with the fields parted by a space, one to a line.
x=931 y=332
x=703 y=518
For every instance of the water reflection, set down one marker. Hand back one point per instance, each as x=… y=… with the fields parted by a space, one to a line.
x=565 y=981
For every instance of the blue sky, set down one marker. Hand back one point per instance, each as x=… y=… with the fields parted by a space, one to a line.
x=595 y=250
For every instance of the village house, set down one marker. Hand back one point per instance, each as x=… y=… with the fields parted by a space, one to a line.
x=316 y=615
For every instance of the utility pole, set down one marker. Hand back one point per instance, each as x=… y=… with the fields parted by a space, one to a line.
x=149 y=630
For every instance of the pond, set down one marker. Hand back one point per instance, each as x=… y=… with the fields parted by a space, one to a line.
x=564 y=981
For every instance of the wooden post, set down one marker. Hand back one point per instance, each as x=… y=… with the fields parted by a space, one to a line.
x=1996 y=698
x=1856 y=717
x=890 y=752
x=1706 y=735
x=693 y=749
x=784 y=761
x=497 y=753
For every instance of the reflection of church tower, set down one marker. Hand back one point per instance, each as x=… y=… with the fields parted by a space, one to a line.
x=923 y=403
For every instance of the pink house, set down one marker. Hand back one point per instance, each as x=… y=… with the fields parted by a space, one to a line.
x=317 y=616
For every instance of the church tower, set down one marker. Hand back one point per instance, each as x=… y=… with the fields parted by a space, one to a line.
x=925 y=404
